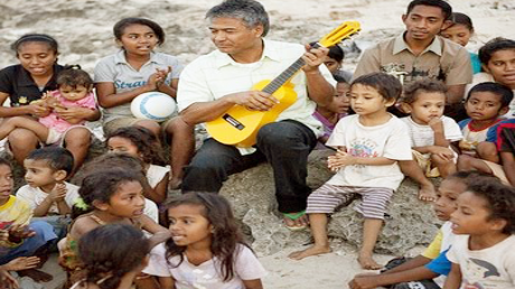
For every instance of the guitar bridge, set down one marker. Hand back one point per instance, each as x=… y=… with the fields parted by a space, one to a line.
x=232 y=121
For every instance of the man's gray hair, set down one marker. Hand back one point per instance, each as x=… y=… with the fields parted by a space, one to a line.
x=251 y=12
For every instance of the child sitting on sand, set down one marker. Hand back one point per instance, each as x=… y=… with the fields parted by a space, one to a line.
x=48 y=194
x=422 y=272
x=482 y=255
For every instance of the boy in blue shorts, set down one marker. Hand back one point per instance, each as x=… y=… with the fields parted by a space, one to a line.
x=48 y=194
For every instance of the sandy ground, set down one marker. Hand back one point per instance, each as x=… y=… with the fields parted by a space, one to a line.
x=328 y=271
x=83 y=29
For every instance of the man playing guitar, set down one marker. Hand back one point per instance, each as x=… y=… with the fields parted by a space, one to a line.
x=214 y=83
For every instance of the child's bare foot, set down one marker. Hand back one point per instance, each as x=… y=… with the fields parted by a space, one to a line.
x=367 y=262
x=36 y=275
x=427 y=193
x=311 y=251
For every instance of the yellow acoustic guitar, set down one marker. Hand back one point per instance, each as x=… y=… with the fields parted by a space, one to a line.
x=239 y=126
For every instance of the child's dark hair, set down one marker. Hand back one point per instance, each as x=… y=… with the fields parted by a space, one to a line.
x=120 y=26
x=462 y=19
x=73 y=75
x=500 y=201
x=104 y=252
x=5 y=162
x=468 y=177
x=336 y=53
x=499 y=43
x=102 y=184
x=36 y=37
x=443 y=5
x=146 y=142
x=57 y=158
x=109 y=160
x=505 y=93
x=226 y=233
x=389 y=87
x=122 y=162
x=340 y=79
x=412 y=91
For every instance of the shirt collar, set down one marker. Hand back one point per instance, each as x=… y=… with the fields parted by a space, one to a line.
x=269 y=51
x=400 y=45
x=9 y=203
x=119 y=57
x=24 y=78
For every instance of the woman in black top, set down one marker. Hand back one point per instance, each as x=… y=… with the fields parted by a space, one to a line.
x=25 y=83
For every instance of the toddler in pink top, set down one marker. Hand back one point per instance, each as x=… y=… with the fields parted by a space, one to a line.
x=53 y=121
x=75 y=90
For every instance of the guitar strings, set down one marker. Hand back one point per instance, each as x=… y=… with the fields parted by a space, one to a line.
x=283 y=77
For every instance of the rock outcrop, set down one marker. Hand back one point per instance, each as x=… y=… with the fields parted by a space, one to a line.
x=410 y=222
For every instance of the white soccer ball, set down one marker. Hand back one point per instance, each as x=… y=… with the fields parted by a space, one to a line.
x=156 y=106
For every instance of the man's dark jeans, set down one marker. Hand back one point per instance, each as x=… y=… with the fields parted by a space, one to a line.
x=285 y=145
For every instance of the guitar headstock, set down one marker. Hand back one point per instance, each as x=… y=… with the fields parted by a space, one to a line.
x=345 y=30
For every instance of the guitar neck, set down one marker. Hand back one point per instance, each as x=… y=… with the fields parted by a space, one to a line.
x=286 y=75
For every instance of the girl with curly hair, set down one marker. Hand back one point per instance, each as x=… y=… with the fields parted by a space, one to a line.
x=141 y=143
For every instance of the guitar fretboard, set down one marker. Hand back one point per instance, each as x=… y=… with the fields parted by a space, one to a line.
x=286 y=75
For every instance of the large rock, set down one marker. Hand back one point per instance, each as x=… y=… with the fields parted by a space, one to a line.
x=251 y=193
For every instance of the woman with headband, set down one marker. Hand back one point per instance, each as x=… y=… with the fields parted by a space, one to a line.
x=25 y=83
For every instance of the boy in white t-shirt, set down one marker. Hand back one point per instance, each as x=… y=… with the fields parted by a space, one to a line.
x=483 y=254
x=431 y=132
x=47 y=193
x=368 y=144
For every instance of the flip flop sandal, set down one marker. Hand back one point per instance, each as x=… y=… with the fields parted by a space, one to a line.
x=294 y=217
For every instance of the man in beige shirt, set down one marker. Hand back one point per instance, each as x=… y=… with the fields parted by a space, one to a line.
x=420 y=53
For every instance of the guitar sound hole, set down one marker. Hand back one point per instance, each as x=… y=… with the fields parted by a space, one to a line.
x=232 y=121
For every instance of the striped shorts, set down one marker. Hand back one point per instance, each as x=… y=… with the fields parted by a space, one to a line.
x=328 y=198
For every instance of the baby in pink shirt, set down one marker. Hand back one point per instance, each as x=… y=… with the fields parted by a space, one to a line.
x=61 y=98
x=75 y=90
